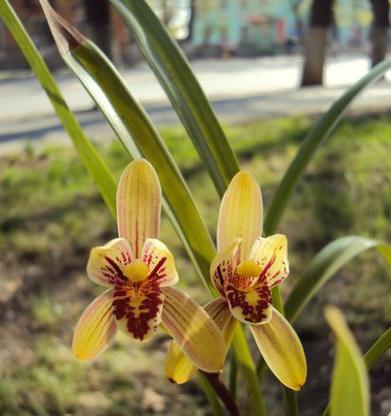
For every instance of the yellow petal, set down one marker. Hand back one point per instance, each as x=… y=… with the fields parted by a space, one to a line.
x=240 y=213
x=224 y=264
x=178 y=367
x=106 y=263
x=160 y=262
x=219 y=311
x=271 y=254
x=282 y=350
x=194 y=330
x=138 y=309
x=96 y=328
x=138 y=204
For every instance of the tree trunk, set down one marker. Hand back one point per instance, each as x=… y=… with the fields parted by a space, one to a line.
x=379 y=30
x=190 y=25
x=316 y=43
x=98 y=18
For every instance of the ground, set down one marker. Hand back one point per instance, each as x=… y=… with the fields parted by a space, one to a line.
x=51 y=215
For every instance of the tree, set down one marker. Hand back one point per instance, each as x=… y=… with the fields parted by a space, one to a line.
x=192 y=15
x=379 y=30
x=321 y=17
x=98 y=18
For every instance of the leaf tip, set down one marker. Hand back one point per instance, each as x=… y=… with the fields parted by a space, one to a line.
x=65 y=35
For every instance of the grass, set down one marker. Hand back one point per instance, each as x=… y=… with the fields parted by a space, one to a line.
x=51 y=215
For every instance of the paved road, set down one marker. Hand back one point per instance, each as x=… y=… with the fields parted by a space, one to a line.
x=240 y=90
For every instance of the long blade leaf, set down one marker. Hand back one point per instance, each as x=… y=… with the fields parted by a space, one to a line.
x=350 y=386
x=378 y=349
x=373 y=355
x=182 y=88
x=323 y=266
x=87 y=152
x=316 y=136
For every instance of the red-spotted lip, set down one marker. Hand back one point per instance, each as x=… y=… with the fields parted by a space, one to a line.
x=137 y=308
x=249 y=298
x=137 y=305
x=249 y=304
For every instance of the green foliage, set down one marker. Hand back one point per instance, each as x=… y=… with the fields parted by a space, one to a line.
x=318 y=134
x=47 y=391
x=350 y=387
x=323 y=266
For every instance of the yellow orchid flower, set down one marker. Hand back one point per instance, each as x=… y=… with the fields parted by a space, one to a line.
x=245 y=270
x=139 y=272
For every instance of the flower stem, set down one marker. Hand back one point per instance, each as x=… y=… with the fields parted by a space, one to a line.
x=220 y=389
x=291 y=408
x=233 y=376
x=246 y=364
x=210 y=394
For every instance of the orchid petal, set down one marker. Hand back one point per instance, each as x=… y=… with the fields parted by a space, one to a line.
x=282 y=350
x=219 y=311
x=194 y=331
x=105 y=262
x=138 y=204
x=178 y=367
x=96 y=328
x=240 y=213
x=271 y=254
x=249 y=300
x=160 y=262
x=224 y=264
x=138 y=308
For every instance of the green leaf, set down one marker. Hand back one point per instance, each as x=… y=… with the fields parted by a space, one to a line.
x=323 y=266
x=373 y=355
x=136 y=132
x=246 y=365
x=182 y=88
x=316 y=136
x=385 y=251
x=378 y=349
x=350 y=387
x=88 y=154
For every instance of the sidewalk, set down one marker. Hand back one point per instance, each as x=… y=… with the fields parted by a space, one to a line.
x=240 y=90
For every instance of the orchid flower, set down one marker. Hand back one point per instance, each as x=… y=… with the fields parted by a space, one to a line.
x=139 y=272
x=245 y=270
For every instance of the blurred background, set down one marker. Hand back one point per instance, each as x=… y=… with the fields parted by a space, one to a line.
x=270 y=69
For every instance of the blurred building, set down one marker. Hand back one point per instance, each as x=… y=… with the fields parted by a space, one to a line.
x=217 y=28
x=253 y=27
